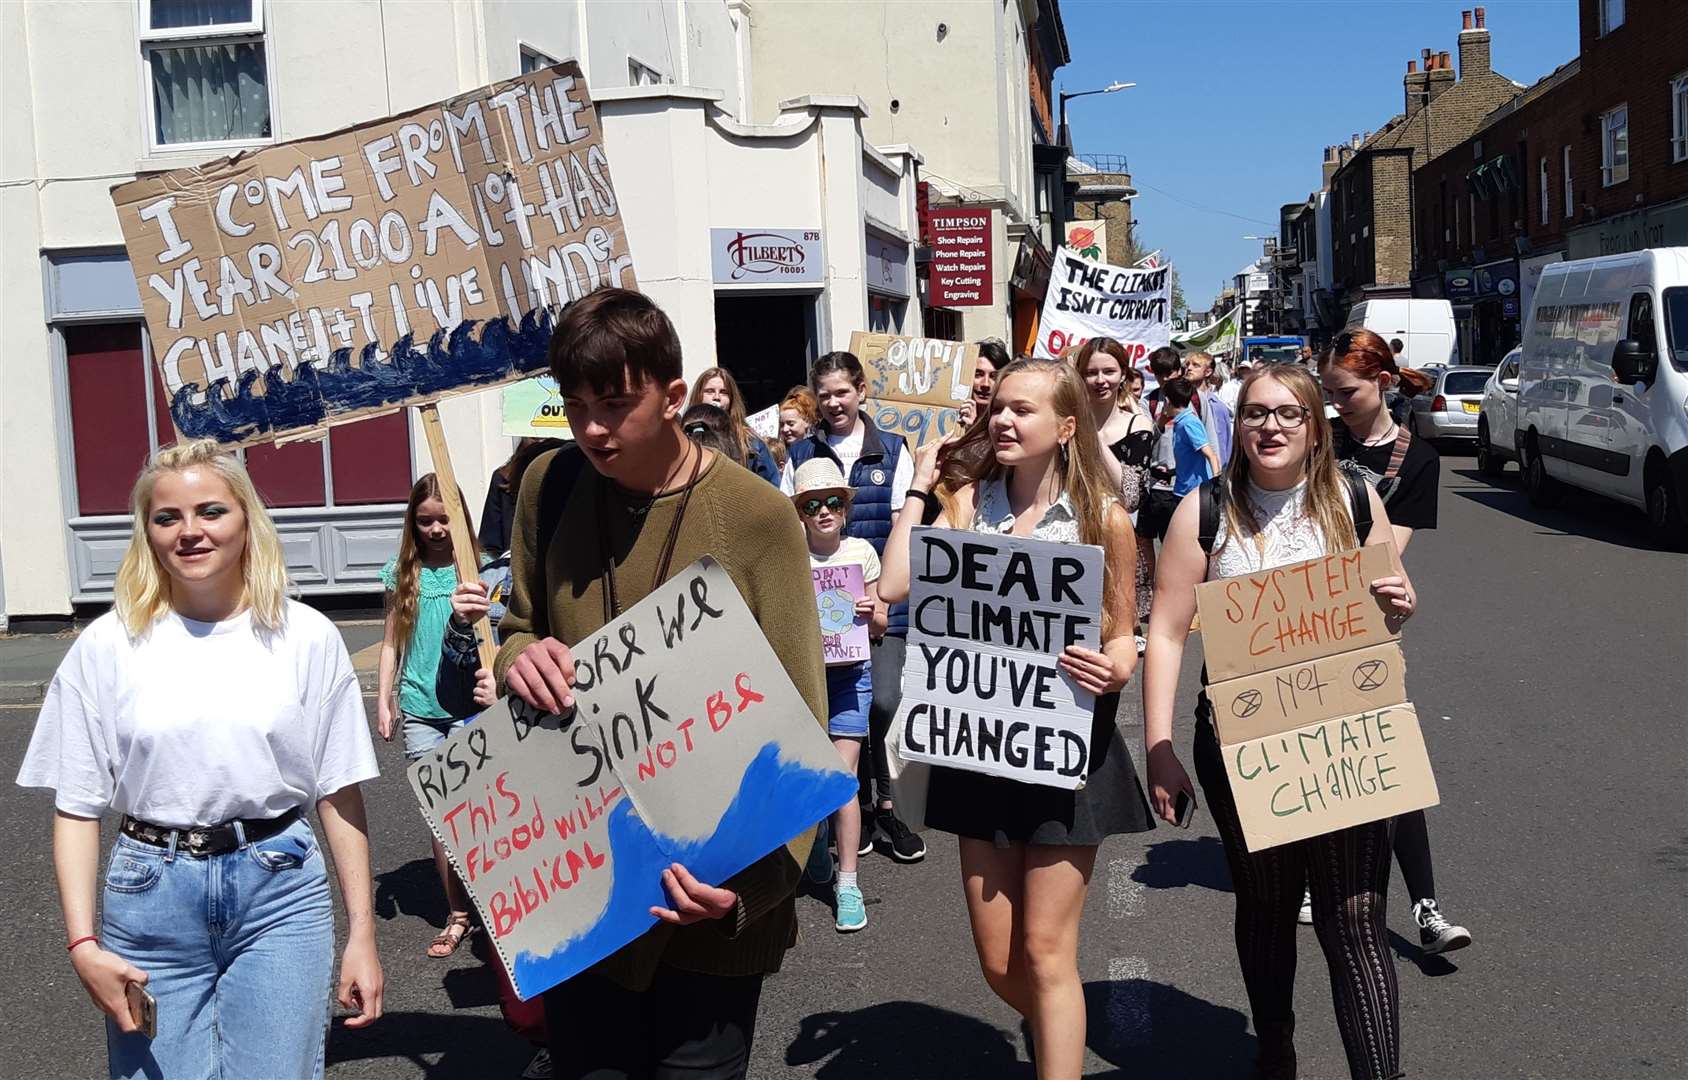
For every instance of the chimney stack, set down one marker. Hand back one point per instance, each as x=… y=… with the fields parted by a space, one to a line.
x=1441 y=76
x=1474 y=47
x=1329 y=168
x=1413 y=84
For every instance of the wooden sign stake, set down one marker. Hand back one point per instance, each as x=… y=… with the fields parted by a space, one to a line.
x=465 y=549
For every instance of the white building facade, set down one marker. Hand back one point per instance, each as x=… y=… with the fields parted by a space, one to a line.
x=183 y=81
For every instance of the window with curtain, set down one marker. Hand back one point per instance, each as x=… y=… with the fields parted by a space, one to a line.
x=206 y=71
x=1614 y=146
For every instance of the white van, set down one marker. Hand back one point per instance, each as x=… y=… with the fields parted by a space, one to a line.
x=1603 y=388
x=1424 y=327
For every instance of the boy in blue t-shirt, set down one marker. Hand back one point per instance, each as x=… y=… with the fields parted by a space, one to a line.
x=1194 y=456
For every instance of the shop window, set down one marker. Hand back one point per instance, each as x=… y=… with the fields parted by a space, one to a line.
x=370 y=460
x=207 y=77
x=885 y=316
x=287 y=475
x=1614 y=146
x=106 y=372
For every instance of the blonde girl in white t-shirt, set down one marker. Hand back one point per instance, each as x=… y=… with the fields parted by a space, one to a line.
x=822 y=499
x=209 y=710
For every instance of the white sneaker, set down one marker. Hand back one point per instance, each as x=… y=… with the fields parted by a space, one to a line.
x=540 y=1067
x=1305 y=918
x=1435 y=933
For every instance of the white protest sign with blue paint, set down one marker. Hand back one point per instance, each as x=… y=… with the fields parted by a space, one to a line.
x=989 y=616
x=689 y=744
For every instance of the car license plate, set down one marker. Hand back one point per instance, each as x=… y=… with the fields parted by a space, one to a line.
x=1472 y=406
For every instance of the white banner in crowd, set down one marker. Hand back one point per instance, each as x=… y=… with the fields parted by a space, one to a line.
x=1092 y=299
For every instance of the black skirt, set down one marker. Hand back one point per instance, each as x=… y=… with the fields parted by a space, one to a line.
x=1007 y=812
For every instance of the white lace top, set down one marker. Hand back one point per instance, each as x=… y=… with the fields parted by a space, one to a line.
x=1287 y=535
x=994 y=515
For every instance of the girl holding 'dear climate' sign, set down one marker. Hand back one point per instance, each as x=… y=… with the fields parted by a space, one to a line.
x=1280 y=501
x=1027 y=850
x=209 y=710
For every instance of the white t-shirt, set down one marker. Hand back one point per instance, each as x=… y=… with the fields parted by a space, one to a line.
x=853 y=549
x=198 y=723
x=849 y=450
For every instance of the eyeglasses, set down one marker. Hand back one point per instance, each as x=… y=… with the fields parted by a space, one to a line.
x=1289 y=416
x=811 y=507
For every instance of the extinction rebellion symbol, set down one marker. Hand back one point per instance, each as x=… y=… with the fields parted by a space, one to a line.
x=1246 y=704
x=1370 y=675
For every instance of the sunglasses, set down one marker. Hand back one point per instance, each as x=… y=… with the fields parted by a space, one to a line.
x=1289 y=416
x=811 y=507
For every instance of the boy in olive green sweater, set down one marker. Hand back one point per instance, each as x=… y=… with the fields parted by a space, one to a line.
x=686 y=991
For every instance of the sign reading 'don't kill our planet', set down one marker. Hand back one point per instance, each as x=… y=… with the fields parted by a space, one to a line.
x=914 y=384
x=317 y=281
x=988 y=618
x=1308 y=687
x=689 y=744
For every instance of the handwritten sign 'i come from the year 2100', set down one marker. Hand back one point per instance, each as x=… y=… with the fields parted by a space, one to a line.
x=689 y=744
x=988 y=618
x=1308 y=686
x=314 y=282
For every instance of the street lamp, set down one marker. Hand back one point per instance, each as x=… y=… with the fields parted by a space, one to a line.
x=1063 y=136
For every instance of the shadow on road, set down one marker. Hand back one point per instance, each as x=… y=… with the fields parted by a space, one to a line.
x=1180 y=864
x=470 y=1047
x=1150 y=1029
x=411 y=889
x=1434 y=966
x=904 y=1039
x=1583 y=515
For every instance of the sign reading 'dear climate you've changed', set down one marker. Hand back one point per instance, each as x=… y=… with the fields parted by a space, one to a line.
x=914 y=384
x=310 y=283
x=1308 y=686
x=689 y=744
x=1086 y=299
x=988 y=618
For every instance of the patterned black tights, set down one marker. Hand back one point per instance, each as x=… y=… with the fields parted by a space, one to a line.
x=1348 y=872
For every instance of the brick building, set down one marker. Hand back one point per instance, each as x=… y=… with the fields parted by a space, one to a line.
x=1371 y=194
x=1591 y=160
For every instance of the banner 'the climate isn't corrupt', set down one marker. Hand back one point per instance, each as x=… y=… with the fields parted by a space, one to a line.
x=1092 y=299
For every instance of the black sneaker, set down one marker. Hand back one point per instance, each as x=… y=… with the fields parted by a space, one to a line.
x=906 y=846
x=820 y=856
x=1435 y=933
x=869 y=816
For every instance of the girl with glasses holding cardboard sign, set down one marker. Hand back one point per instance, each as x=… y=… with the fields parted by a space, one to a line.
x=1280 y=501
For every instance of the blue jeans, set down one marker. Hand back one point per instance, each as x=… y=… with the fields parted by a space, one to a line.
x=239 y=949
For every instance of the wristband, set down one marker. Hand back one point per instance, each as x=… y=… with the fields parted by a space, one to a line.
x=916 y=493
x=83 y=940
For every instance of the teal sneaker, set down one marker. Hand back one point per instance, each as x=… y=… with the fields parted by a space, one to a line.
x=852 y=913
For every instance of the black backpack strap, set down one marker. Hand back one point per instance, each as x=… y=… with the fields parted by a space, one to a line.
x=1359 y=505
x=554 y=491
x=1212 y=496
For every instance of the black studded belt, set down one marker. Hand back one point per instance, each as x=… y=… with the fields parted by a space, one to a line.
x=206 y=839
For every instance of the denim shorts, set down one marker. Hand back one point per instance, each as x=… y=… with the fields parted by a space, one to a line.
x=423 y=734
x=239 y=949
x=849 y=695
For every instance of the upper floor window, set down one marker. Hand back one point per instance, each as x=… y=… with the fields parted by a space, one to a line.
x=1611 y=16
x=1543 y=188
x=641 y=74
x=533 y=60
x=1614 y=146
x=1679 y=117
x=207 y=79
x=1570 y=196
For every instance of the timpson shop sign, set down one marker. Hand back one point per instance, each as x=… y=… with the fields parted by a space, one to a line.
x=767 y=257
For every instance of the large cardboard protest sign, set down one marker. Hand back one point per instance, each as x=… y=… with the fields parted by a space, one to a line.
x=914 y=384
x=843 y=632
x=1308 y=687
x=313 y=282
x=988 y=618
x=689 y=744
x=1089 y=299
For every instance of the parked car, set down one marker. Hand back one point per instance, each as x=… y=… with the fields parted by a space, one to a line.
x=1603 y=387
x=1497 y=417
x=1448 y=410
x=1425 y=328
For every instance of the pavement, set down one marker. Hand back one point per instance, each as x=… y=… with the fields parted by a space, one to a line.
x=1548 y=665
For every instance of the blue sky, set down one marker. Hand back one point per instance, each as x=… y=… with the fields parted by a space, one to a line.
x=1236 y=100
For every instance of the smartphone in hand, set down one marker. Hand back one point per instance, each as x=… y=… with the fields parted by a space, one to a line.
x=143 y=1009
x=1185 y=810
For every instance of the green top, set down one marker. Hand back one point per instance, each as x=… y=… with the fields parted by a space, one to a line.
x=422 y=652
